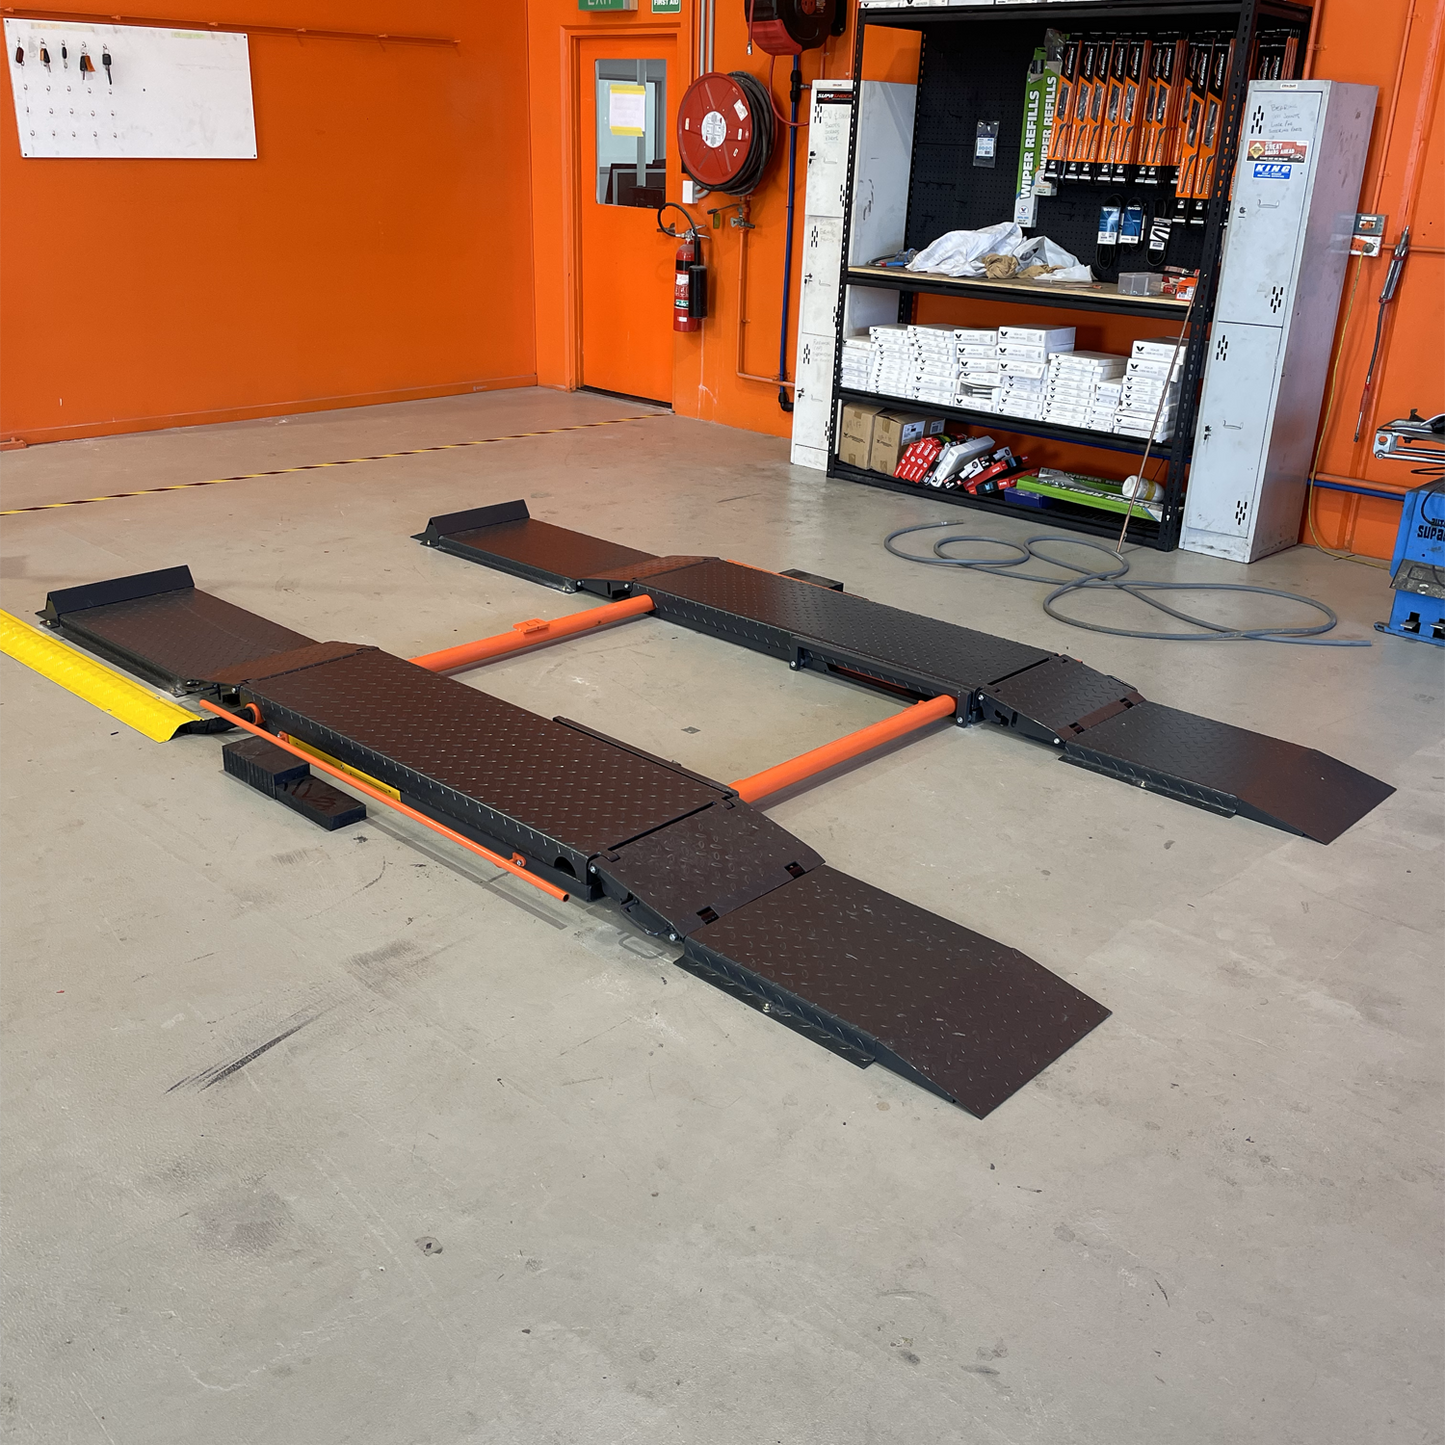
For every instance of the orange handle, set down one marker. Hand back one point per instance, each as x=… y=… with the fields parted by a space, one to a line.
x=352 y=782
x=806 y=765
x=532 y=634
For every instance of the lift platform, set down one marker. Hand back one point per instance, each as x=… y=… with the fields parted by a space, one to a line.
x=1092 y=720
x=756 y=911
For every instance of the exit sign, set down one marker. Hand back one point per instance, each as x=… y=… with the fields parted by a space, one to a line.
x=607 y=4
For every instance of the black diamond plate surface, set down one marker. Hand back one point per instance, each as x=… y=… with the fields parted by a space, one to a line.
x=1057 y=699
x=181 y=639
x=906 y=644
x=477 y=756
x=1271 y=781
x=708 y=864
x=537 y=550
x=617 y=581
x=293 y=661
x=969 y=1017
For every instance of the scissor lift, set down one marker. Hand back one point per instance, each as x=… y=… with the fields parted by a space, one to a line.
x=755 y=910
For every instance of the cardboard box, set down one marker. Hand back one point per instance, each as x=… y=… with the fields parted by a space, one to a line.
x=855 y=453
x=892 y=433
x=857 y=424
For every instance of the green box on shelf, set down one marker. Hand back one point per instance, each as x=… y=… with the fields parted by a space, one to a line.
x=1096 y=492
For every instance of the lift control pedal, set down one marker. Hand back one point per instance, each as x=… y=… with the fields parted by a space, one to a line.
x=276 y=773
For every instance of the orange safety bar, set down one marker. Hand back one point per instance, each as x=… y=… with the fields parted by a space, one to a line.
x=512 y=865
x=532 y=634
x=807 y=765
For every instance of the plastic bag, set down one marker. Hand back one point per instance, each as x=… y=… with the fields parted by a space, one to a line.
x=1066 y=275
x=961 y=253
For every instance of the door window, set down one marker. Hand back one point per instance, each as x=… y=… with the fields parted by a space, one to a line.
x=631 y=132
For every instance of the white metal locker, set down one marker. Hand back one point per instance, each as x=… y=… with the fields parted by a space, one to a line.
x=1296 y=187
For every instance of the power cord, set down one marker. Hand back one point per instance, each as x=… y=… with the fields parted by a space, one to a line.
x=1110 y=579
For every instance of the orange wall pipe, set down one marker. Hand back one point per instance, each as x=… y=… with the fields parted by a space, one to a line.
x=809 y=764
x=518 y=870
x=227 y=26
x=525 y=635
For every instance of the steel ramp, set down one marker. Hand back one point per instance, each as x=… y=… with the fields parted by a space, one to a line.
x=507 y=538
x=160 y=626
x=966 y=1017
x=1228 y=770
x=1093 y=720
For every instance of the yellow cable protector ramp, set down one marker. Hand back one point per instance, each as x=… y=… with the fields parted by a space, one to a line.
x=134 y=705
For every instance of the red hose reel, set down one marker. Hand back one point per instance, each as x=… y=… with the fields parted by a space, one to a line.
x=789 y=27
x=715 y=125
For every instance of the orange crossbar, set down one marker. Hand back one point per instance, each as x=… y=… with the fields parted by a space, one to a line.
x=510 y=864
x=807 y=765
x=532 y=634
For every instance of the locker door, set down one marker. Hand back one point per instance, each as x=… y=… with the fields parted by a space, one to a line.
x=832 y=112
x=1234 y=417
x=1277 y=156
x=822 y=252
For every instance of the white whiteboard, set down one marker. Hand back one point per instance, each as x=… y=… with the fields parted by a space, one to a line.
x=183 y=94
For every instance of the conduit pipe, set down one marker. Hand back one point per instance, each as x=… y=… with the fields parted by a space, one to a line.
x=809 y=764
x=536 y=632
x=511 y=865
x=743 y=305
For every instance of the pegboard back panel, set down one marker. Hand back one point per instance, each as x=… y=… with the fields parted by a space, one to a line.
x=976 y=72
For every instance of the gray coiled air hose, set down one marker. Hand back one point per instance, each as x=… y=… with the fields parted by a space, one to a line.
x=1110 y=579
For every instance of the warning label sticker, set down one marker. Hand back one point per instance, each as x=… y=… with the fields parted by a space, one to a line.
x=1276 y=150
x=714 y=129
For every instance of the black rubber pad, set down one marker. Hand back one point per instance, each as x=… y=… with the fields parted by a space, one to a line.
x=181 y=638
x=967 y=1017
x=1229 y=770
x=703 y=867
x=1057 y=699
x=776 y=614
x=551 y=790
x=506 y=538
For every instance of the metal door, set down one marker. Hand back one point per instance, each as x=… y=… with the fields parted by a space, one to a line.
x=628 y=167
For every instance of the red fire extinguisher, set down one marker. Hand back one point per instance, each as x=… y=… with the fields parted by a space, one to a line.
x=689 y=285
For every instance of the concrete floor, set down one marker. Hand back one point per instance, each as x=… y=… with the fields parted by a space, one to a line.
x=662 y=1217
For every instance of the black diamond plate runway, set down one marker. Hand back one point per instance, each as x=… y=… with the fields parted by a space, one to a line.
x=157 y=624
x=1093 y=720
x=867 y=975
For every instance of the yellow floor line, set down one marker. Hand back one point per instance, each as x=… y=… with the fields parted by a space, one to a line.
x=318 y=466
x=122 y=697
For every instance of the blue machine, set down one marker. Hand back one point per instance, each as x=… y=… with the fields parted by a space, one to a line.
x=1417 y=571
x=1418 y=567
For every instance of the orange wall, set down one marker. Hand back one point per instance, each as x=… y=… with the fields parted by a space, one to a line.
x=378 y=249
x=1361 y=40
x=705 y=380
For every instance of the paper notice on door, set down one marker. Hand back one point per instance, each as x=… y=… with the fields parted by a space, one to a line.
x=626 y=109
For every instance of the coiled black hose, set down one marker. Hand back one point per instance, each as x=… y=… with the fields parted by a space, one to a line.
x=760 y=148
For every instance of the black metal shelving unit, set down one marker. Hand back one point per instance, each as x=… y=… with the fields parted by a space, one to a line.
x=972 y=66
